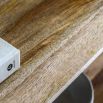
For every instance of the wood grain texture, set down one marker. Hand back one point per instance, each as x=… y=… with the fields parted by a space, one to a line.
x=56 y=38
x=12 y=10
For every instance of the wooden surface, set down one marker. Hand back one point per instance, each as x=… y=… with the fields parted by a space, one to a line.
x=12 y=10
x=55 y=37
x=98 y=87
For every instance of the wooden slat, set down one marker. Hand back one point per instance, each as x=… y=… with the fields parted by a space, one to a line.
x=12 y=10
x=56 y=39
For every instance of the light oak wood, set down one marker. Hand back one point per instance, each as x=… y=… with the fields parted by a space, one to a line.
x=56 y=39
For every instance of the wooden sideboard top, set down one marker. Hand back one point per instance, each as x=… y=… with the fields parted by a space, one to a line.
x=56 y=38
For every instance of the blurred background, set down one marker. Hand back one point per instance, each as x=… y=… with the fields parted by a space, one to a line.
x=98 y=88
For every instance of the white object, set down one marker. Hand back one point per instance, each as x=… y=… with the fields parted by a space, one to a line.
x=9 y=60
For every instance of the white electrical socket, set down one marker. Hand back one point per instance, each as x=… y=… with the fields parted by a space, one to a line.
x=9 y=59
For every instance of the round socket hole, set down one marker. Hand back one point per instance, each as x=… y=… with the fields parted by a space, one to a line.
x=10 y=67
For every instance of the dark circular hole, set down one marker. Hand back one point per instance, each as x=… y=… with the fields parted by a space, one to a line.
x=10 y=67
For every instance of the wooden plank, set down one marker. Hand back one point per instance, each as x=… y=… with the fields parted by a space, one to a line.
x=12 y=10
x=56 y=39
